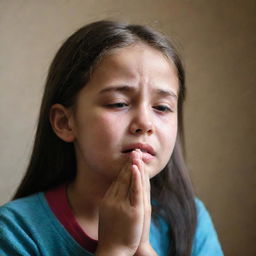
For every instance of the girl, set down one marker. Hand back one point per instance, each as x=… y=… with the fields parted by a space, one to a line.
x=109 y=130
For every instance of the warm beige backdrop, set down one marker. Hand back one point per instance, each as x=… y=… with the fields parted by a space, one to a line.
x=217 y=41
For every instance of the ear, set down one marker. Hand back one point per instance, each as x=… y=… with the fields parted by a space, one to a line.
x=61 y=122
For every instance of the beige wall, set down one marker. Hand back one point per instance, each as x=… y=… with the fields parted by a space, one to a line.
x=217 y=41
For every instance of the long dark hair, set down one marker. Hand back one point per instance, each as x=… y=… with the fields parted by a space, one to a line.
x=53 y=160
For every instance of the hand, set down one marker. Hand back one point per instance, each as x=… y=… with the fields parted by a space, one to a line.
x=145 y=248
x=121 y=213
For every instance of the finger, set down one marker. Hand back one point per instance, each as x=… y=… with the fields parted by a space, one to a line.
x=135 y=193
x=148 y=188
x=145 y=180
x=141 y=167
x=123 y=181
x=136 y=158
x=145 y=197
x=114 y=188
x=111 y=190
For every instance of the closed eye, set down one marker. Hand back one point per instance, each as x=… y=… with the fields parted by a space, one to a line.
x=117 y=105
x=163 y=108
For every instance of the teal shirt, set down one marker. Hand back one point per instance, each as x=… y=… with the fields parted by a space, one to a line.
x=28 y=227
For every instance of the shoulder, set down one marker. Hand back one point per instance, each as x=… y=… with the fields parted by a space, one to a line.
x=21 y=202
x=25 y=213
x=205 y=240
x=29 y=227
x=18 y=220
x=23 y=207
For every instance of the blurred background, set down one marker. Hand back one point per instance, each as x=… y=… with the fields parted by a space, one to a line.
x=217 y=41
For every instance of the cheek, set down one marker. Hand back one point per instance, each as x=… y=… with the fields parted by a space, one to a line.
x=167 y=142
x=168 y=139
x=168 y=129
x=98 y=137
x=105 y=128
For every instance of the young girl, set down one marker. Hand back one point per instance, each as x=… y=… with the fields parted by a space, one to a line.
x=106 y=175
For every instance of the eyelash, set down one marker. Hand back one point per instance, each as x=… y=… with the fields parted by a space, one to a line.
x=117 y=105
x=161 y=108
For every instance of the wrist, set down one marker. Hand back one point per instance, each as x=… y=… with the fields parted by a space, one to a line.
x=145 y=250
x=109 y=253
x=113 y=252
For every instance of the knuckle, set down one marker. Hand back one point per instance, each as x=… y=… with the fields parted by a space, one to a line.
x=107 y=203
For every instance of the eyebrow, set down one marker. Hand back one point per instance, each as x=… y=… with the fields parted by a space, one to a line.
x=121 y=88
x=166 y=93
x=127 y=89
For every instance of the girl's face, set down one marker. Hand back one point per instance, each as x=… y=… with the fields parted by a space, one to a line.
x=130 y=102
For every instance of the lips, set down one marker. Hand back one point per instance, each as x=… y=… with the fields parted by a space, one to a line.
x=148 y=152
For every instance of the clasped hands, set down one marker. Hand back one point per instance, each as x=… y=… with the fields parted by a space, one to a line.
x=125 y=212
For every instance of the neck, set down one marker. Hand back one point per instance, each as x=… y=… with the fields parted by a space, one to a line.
x=85 y=195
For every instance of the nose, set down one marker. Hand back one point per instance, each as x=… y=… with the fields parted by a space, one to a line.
x=142 y=122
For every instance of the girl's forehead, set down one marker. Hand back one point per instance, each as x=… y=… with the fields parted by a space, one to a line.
x=134 y=61
x=137 y=66
x=138 y=51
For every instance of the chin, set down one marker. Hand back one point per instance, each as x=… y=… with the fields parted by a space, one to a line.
x=152 y=172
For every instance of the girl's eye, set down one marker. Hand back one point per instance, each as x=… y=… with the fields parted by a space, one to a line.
x=117 y=105
x=163 y=108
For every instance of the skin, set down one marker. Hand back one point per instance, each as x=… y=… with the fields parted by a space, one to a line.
x=130 y=98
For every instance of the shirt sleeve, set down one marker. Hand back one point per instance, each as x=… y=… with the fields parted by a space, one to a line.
x=206 y=241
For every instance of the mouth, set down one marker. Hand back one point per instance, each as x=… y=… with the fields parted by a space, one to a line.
x=144 y=148
x=148 y=152
x=130 y=150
